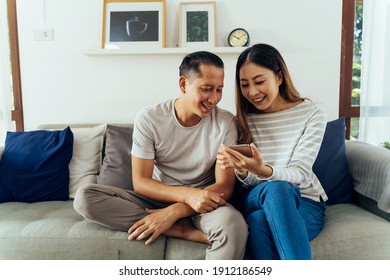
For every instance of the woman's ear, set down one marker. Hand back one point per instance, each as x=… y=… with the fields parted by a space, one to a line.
x=182 y=84
x=280 y=78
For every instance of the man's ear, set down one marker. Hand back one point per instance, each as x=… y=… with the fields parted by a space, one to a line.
x=182 y=84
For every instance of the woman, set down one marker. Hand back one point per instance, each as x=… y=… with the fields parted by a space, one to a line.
x=284 y=205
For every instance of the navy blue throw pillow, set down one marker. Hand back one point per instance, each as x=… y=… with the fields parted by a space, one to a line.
x=331 y=166
x=35 y=166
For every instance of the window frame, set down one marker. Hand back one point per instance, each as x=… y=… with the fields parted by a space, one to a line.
x=346 y=109
x=17 y=111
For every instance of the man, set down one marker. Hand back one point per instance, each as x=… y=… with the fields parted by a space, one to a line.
x=179 y=191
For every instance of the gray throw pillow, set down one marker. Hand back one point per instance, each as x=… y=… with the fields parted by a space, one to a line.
x=116 y=167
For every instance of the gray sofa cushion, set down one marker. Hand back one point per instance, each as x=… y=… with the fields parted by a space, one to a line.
x=116 y=167
x=53 y=230
x=178 y=249
x=87 y=156
x=352 y=233
x=370 y=166
x=87 y=153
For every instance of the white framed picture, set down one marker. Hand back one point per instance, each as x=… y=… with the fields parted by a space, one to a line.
x=197 y=24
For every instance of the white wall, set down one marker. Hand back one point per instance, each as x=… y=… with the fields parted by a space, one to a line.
x=60 y=84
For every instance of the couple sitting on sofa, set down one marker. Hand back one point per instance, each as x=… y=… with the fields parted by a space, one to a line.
x=184 y=172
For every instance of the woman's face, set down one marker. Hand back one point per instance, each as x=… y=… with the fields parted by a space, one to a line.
x=260 y=86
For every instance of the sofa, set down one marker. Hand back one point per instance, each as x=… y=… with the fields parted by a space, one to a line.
x=39 y=223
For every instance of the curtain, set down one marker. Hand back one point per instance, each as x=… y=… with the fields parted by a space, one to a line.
x=5 y=75
x=374 y=125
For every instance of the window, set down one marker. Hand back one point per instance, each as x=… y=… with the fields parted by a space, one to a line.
x=350 y=71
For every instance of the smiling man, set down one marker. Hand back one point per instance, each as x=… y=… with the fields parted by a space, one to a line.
x=179 y=191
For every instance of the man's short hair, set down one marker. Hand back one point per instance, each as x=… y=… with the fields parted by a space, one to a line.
x=192 y=62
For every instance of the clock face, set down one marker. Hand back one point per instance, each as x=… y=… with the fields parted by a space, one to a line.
x=238 y=38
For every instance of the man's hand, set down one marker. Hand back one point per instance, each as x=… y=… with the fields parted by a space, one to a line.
x=198 y=200
x=157 y=222
x=204 y=201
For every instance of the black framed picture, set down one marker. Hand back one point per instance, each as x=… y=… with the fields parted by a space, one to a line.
x=133 y=23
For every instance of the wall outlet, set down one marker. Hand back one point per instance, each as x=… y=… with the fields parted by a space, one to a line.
x=43 y=34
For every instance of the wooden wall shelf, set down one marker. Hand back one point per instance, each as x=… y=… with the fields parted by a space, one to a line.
x=162 y=51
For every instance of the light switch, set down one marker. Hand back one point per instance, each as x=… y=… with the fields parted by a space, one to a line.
x=43 y=34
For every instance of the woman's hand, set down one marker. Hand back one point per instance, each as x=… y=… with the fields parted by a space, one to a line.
x=241 y=163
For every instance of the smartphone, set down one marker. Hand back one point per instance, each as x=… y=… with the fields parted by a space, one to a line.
x=243 y=149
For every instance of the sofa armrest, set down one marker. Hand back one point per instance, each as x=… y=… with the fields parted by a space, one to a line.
x=369 y=167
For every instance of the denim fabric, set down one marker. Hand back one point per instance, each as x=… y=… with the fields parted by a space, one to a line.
x=281 y=222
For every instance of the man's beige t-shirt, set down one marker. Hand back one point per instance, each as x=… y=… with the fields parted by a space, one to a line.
x=183 y=156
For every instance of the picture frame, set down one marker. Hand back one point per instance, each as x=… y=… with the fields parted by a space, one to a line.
x=197 y=24
x=133 y=24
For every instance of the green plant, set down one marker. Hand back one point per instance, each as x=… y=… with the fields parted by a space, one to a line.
x=386 y=144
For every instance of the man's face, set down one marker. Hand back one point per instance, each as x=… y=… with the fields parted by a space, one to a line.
x=205 y=91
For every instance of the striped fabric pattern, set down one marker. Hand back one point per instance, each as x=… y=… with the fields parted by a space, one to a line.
x=289 y=142
x=370 y=170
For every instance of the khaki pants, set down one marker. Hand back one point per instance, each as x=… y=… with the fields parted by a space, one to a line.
x=119 y=209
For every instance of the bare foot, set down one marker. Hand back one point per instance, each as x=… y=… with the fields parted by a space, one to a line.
x=184 y=229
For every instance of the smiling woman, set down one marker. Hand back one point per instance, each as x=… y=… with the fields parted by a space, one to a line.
x=285 y=132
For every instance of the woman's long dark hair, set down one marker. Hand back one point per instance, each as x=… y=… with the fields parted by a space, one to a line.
x=269 y=57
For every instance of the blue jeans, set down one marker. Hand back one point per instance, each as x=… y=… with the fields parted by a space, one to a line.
x=281 y=222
